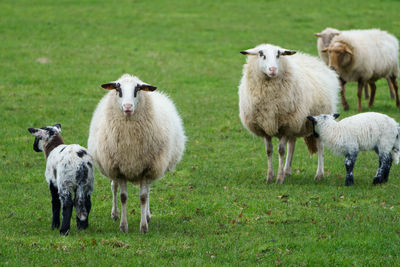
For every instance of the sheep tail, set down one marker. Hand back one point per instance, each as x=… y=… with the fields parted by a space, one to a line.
x=311 y=143
x=396 y=148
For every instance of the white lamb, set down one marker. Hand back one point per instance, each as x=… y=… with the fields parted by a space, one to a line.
x=135 y=136
x=69 y=171
x=364 y=131
x=365 y=56
x=278 y=90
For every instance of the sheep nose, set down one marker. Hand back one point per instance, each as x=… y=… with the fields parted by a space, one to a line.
x=272 y=69
x=127 y=106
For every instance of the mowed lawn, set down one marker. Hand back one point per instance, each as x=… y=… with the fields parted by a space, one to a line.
x=215 y=208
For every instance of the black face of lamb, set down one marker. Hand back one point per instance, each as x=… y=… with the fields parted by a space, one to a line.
x=67 y=206
x=56 y=205
x=349 y=162
x=385 y=163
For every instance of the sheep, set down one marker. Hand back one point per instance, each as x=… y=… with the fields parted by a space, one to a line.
x=365 y=56
x=135 y=136
x=69 y=170
x=277 y=90
x=324 y=39
x=361 y=132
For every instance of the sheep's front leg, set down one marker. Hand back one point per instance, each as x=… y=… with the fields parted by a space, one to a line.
x=373 y=90
x=67 y=205
x=144 y=206
x=56 y=206
x=114 y=210
x=385 y=163
x=123 y=226
x=349 y=162
x=281 y=150
x=320 y=169
x=343 y=94
x=359 y=95
x=289 y=157
x=269 y=149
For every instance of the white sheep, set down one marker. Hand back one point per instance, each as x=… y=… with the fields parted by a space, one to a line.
x=278 y=90
x=365 y=56
x=135 y=136
x=69 y=170
x=361 y=132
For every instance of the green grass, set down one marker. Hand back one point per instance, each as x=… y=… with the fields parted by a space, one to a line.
x=215 y=208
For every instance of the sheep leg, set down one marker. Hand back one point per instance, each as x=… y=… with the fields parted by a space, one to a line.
x=396 y=89
x=320 y=169
x=56 y=206
x=269 y=149
x=391 y=89
x=148 y=214
x=359 y=94
x=373 y=90
x=385 y=163
x=144 y=197
x=343 y=94
x=83 y=224
x=349 y=162
x=114 y=210
x=67 y=205
x=123 y=226
x=289 y=157
x=366 y=93
x=281 y=150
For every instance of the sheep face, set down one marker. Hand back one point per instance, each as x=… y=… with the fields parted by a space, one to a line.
x=128 y=90
x=327 y=36
x=340 y=55
x=44 y=135
x=269 y=58
x=317 y=121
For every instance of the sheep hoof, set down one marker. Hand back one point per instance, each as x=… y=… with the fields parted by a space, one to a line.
x=279 y=180
x=123 y=227
x=377 y=180
x=270 y=178
x=115 y=215
x=144 y=228
x=64 y=232
x=318 y=176
x=288 y=174
x=349 y=182
x=55 y=225
x=346 y=107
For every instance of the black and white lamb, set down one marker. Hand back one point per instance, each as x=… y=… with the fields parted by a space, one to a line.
x=361 y=132
x=69 y=170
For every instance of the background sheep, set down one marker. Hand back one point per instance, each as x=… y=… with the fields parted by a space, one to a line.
x=365 y=56
x=277 y=92
x=135 y=136
x=365 y=131
x=69 y=170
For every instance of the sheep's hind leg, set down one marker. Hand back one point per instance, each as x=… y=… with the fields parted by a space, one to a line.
x=114 y=209
x=289 y=157
x=123 y=226
x=320 y=169
x=281 y=150
x=385 y=163
x=366 y=93
x=83 y=224
x=148 y=214
x=67 y=205
x=359 y=94
x=393 y=79
x=343 y=94
x=56 y=206
x=144 y=197
x=391 y=89
x=269 y=149
x=373 y=90
x=349 y=162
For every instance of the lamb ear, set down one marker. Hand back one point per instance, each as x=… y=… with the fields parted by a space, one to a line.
x=286 y=52
x=251 y=51
x=311 y=118
x=58 y=126
x=33 y=130
x=336 y=115
x=110 y=86
x=37 y=132
x=317 y=34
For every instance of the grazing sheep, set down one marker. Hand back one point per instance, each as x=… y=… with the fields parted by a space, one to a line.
x=69 y=170
x=361 y=132
x=365 y=56
x=277 y=89
x=137 y=137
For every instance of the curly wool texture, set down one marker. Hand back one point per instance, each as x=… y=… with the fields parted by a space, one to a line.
x=361 y=132
x=375 y=55
x=279 y=106
x=143 y=146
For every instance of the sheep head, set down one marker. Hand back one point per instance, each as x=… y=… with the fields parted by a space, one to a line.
x=268 y=57
x=340 y=55
x=127 y=88
x=44 y=135
x=327 y=36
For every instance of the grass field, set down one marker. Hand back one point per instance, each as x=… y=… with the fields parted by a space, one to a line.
x=215 y=208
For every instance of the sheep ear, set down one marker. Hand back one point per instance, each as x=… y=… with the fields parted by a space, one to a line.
x=311 y=118
x=110 y=86
x=146 y=87
x=317 y=34
x=347 y=50
x=325 y=50
x=251 y=51
x=336 y=115
x=58 y=126
x=286 y=52
x=37 y=132
x=33 y=130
